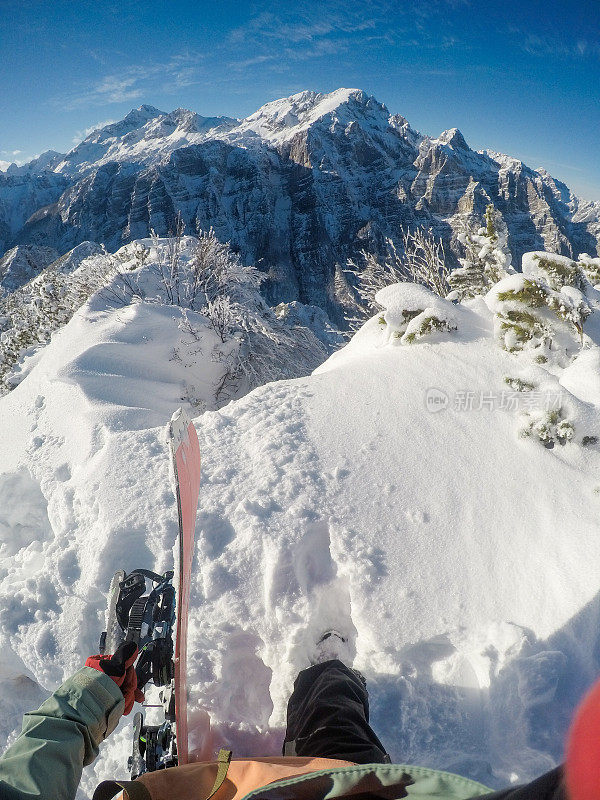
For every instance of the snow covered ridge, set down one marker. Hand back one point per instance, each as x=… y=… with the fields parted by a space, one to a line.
x=433 y=496
x=231 y=341
x=300 y=187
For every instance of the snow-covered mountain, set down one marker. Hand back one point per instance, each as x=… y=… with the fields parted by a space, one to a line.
x=19 y=265
x=392 y=493
x=23 y=193
x=298 y=187
x=144 y=136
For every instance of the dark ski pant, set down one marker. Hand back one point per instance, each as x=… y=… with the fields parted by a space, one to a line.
x=328 y=716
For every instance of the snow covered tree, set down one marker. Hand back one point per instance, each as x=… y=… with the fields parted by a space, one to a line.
x=487 y=258
x=413 y=312
x=591 y=268
x=30 y=315
x=530 y=315
x=556 y=271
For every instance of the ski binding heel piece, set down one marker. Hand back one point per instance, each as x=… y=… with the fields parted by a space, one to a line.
x=142 y=609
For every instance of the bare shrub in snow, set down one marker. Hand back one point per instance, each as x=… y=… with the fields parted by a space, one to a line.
x=254 y=345
x=422 y=261
x=202 y=274
x=194 y=272
x=270 y=350
x=198 y=274
x=215 y=270
x=168 y=262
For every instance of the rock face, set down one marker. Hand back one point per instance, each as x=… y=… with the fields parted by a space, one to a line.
x=297 y=187
x=22 y=193
x=23 y=263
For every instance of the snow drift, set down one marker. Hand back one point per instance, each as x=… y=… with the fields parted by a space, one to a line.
x=389 y=493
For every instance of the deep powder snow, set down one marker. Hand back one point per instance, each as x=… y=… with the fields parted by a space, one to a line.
x=461 y=560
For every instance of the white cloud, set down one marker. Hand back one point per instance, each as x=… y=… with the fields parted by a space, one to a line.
x=11 y=155
x=558 y=47
x=251 y=62
x=137 y=80
x=302 y=32
x=81 y=135
x=300 y=27
x=117 y=88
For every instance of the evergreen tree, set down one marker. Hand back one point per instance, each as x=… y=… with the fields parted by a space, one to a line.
x=591 y=268
x=487 y=257
x=531 y=315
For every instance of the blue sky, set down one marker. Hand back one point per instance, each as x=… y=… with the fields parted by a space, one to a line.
x=519 y=77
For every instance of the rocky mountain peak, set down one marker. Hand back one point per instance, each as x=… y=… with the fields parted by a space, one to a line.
x=46 y=162
x=402 y=125
x=454 y=138
x=139 y=116
x=506 y=162
x=299 y=186
x=282 y=119
x=189 y=122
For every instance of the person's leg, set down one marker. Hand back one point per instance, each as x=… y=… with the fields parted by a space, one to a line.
x=328 y=716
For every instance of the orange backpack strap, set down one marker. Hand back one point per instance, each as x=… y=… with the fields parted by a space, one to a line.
x=133 y=790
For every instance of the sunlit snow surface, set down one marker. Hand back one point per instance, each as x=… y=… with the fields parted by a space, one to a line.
x=462 y=561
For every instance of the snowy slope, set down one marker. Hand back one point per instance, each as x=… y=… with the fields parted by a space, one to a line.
x=282 y=120
x=446 y=546
x=145 y=135
x=461 y=560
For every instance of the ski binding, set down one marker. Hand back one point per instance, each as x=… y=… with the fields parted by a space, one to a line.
x=142 y=609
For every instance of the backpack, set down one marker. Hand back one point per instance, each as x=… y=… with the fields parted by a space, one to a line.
x=273 y=778
x=292 y=778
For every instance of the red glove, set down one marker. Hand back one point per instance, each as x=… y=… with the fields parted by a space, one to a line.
x=120 y=669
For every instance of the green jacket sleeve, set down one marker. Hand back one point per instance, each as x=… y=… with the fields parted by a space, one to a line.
x=60 y=738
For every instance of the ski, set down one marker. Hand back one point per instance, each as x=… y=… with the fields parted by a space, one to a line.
x=151 y=610
x=185 y=452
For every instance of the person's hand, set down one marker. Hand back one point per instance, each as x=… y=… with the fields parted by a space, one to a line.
x=119 y=667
